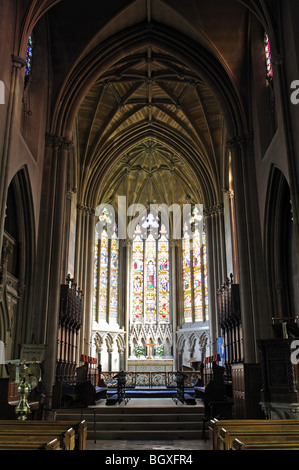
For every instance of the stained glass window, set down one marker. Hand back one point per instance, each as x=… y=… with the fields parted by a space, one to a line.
x=103 y=285
x=137 y=276
x=106 y=264
x=268 y=57
x=95 y=273
x=150 y=274
x=197 y=276
x=150 y=280
x=163 y=275
x=205 y=269
x=187 y=276
x=29 y=53
x=113 y=297
x=195 y=281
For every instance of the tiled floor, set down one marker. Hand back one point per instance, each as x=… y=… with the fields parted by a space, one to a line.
x=148 y=445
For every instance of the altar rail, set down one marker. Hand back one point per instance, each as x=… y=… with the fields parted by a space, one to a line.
x=151 y=379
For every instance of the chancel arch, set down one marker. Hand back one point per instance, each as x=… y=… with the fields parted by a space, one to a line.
x=151 y=91
x=141 y=140
x=148 y=108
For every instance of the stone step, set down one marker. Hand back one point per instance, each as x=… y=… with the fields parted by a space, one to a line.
x=141 y=417
x=138 y=418
x=145 y=435
x=139 y=423
x=123 y=410
x=149 y=426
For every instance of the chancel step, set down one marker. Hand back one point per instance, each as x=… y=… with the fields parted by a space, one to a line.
x=141 y=423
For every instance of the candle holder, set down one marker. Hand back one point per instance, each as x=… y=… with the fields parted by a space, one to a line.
x=22 y=410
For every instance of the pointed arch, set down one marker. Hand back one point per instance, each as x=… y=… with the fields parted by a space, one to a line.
x=280 y=262
x=17 y=265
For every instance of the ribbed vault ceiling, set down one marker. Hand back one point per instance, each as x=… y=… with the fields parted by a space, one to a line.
x=149 y=99
x=150 y=129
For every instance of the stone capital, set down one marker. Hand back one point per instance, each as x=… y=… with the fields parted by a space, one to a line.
x=56 y=141
x=240 y=141
x=217 y=209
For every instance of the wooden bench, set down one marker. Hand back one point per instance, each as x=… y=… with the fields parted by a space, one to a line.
x=215 y=427
x=269 y=445
x=52 y=445
x=22 y=440
x=79 y=429
x=258 y=434
x=26 y=438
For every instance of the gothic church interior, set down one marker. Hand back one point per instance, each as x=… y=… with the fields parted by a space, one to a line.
x=149 y=176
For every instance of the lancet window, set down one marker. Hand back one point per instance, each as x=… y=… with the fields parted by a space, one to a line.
x=195 y=280
x=268 y=55
x=29 y=54
x=106 y=270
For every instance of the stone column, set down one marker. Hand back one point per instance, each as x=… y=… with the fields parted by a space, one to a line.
x=231 y=197
x=253 y=298
x=180 y=284
x=78 y=241
x=80 y=268
x=212 y=280
x=66 y=235
x=17 y=64
x=61 y=147
x=173 y=295
x=88 y=294
x=127 y=300
x=122 y=284
x=216 y=262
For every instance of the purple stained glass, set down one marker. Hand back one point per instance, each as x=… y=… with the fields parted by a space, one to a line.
x=28 y=67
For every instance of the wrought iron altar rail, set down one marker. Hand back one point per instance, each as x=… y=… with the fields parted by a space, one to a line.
x=151 y=379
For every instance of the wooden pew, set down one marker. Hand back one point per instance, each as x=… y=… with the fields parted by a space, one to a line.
x=79 y=429
x=22 y=440
x=258 y=435
x=25 y=436
x=215 y=426
x=274 y=445
x=52 y=445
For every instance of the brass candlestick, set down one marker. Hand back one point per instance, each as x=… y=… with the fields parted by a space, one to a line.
x=24 y=388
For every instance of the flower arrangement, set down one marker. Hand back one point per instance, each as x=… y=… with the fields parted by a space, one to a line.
x=159 y=351
x=139 y=351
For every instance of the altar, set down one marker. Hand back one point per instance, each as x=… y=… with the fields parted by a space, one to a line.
x=150 y=365
x=150 y=373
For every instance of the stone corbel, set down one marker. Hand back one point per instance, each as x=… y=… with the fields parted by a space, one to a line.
x=18 y=62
